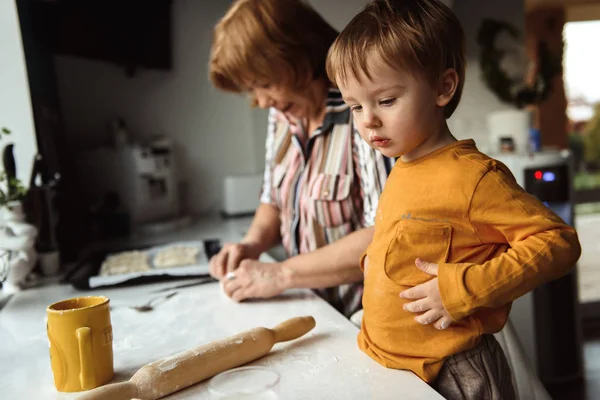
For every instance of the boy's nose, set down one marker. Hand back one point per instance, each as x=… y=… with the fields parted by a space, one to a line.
x=371 y=120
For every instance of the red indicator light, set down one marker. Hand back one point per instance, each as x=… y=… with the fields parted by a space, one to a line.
x=538 y=175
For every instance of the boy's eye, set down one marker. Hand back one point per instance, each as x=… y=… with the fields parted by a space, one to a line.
x=387 y=102
x=355 y=108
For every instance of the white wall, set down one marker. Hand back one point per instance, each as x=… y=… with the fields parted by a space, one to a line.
x=217 y=133
x=469 y=120
x=15 y=103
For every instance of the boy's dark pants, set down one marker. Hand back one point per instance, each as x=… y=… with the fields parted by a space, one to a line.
x=481 y=373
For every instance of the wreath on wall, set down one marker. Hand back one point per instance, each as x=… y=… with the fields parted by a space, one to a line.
x=502 y=61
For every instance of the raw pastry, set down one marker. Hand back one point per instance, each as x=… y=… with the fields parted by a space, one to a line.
x=126 y=262
x=176 y=256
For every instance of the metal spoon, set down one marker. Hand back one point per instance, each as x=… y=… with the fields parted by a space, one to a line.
x=149 y=305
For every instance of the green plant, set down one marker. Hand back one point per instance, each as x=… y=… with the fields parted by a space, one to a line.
x=11 y=189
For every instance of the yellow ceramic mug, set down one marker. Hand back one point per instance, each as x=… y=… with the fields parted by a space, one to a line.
x=80 y=336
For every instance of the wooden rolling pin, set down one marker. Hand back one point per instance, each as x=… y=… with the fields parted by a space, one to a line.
x=166 y=376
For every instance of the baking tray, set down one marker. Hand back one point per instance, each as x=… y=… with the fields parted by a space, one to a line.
x=85 y=274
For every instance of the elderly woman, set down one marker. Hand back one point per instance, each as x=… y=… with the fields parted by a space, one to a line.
x=321 y=181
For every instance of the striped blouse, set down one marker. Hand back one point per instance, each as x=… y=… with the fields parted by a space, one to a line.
x=325 y=187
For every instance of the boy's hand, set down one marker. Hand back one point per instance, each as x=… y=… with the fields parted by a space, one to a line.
x=428 y=299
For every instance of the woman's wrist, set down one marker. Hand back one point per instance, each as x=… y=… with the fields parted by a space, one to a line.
x=255 y=248
x=286 y=276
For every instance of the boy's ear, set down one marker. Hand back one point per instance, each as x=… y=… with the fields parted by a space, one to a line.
x=447 y=87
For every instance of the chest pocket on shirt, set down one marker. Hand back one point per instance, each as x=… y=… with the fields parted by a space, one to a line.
x=331 y=199
x=429 y=241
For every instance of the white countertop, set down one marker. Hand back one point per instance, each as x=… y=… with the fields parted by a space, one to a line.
x=324 y=364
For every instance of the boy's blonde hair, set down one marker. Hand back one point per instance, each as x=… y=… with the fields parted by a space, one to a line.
x=273 y=41
x=422 y=36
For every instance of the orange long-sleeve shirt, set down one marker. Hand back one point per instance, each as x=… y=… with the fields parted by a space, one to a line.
x=493 y=242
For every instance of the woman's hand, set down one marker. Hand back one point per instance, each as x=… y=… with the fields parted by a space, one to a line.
x=230 y=257
x=428 y=299
x=255 y=279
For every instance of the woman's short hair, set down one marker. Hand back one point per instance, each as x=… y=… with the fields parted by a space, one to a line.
x=281 y=42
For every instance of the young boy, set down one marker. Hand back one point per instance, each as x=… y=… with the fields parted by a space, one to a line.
x=456 y=239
